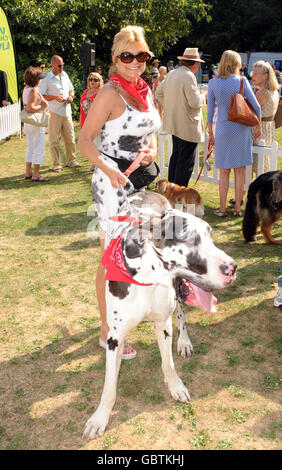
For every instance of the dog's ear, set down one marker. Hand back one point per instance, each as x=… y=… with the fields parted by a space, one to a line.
x=135 y=240
x=277 y=189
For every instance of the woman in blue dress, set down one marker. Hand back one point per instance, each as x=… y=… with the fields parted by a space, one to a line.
x=232 y=141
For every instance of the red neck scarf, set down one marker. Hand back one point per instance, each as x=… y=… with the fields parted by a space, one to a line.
x=138 y=90
x=113 y=260
x=114 y=264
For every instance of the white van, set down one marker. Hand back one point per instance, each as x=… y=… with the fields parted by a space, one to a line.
x=271 y=57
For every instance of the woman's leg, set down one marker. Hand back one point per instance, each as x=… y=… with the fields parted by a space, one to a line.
x=101 y=298
x=223 y=187
x=29 y=150
x=100 y=290
x=239 y=176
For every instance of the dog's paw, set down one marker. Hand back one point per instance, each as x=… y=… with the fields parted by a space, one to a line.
x=184 y=347
x=180 y=392
x=177 y=389
x=95 y=426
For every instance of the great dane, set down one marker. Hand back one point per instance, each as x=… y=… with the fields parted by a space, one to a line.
x=170 y=257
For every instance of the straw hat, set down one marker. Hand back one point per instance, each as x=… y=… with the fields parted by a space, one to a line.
x=191 y=53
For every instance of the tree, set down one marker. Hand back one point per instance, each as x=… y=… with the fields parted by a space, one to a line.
x=243 y=26
x=44 y=27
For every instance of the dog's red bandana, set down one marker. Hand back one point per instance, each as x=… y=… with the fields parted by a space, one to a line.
x=113 y=260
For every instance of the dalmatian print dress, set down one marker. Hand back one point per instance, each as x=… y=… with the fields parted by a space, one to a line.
x=121 y=138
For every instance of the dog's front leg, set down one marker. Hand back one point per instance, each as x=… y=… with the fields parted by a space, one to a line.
x=176 y=387
x=96 y=425
x=184 y=345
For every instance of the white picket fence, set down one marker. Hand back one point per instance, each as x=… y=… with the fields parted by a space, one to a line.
x=212 y=176
x=10 y=122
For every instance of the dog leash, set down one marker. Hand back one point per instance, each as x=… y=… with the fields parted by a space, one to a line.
x=205 y=161
x=132 y=219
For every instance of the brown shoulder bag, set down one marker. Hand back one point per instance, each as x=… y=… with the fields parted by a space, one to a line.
x=240 y=110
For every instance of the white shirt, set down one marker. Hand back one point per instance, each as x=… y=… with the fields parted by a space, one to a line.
x=57 y=85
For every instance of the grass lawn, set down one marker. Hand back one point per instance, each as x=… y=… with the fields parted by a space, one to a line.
x=52 y=369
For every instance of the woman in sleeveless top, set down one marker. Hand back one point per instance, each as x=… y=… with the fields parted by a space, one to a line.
x=267 y=95
x=124 y=113
x=94 y=83
x=33 y=101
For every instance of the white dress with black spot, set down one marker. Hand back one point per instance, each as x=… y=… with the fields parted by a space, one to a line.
x=121 y=138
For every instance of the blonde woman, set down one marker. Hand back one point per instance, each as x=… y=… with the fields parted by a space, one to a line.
x=232 y=141
x=266 y=92
x=94 y=83
x=124 y=112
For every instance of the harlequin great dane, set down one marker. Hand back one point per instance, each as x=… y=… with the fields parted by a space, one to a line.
x=167 y=254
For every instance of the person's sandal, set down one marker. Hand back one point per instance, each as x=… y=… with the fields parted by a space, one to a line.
x=237 y=213
x=232 y=202
x=126 y=356
x=220 y=213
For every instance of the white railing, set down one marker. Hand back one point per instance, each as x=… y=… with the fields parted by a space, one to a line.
x=10 y=122
x=212 y=176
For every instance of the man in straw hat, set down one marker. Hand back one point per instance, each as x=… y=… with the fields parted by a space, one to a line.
x=182 y=103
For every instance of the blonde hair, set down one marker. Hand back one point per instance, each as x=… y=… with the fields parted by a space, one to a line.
x=163 y=69
x=124 y=37
x=96 y=75
x=271 y=83
x=230 y=64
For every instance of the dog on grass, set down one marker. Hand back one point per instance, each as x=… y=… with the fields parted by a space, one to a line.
x=176 y=195
x=264 y=203
x=170 y=257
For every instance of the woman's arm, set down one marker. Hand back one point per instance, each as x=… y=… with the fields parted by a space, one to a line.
x=149 y=153
x=33 y=97
x=105 y=106
x=211 y=107
x=250 y=96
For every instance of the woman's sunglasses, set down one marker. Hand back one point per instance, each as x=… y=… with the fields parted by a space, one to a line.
x=127 y=57
x=93 y=79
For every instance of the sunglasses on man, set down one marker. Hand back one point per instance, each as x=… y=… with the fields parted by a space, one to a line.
x=127 y=57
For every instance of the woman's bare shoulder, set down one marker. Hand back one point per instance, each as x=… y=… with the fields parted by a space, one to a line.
x=108 y=90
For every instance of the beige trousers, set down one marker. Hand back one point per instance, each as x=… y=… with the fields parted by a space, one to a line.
x=60 y=125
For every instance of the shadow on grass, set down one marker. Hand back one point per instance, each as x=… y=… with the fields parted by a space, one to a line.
x=82 y=245
x=36 y=383
x=68 y=176
x=60 y=224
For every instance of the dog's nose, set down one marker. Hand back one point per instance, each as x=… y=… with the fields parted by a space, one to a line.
x=228 y=270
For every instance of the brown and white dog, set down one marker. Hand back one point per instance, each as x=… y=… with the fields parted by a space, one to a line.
x=177 y=195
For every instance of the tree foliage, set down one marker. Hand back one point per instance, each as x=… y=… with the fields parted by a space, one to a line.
x=253 y=25
x=45 y=27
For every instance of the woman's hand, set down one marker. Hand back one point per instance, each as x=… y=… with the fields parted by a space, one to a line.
x=211 y=139
x=149 y=156
x=116 y=177
x=44 y=104
x=257 y=131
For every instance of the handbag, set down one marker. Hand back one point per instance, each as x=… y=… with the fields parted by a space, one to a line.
x=240 y=110
x=39 y=119
x=142 y=176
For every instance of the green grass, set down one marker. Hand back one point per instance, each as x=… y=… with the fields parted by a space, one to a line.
x=52 y=369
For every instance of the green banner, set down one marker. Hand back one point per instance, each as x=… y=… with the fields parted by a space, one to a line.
x=8 y=56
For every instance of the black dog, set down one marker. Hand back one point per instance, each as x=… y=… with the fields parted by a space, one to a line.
x=264 y=202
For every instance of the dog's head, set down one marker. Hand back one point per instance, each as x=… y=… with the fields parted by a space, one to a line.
x=177 y=245
x=276 y=195
x=161 y=186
